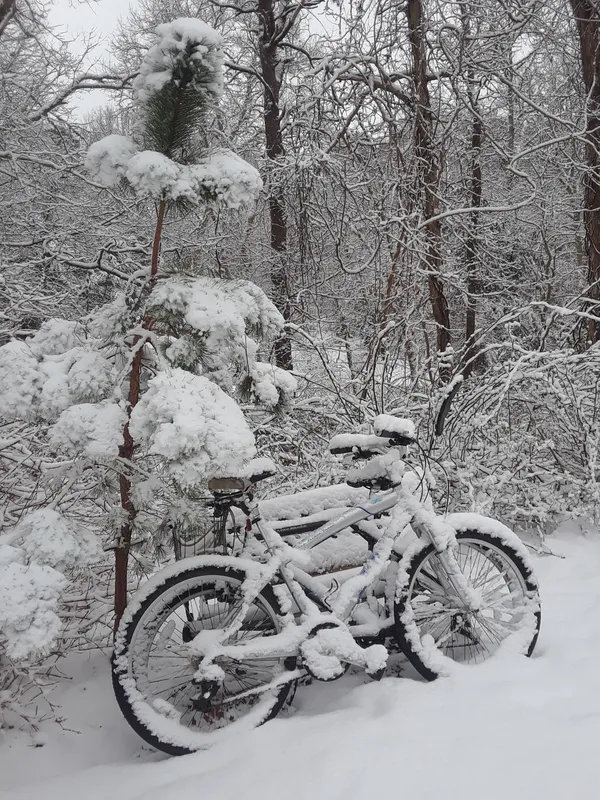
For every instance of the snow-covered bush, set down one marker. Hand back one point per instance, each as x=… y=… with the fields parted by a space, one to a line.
x=198 y=429
x=34 y=557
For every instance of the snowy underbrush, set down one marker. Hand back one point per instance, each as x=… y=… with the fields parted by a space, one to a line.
x=522 y=442
x=54 y=597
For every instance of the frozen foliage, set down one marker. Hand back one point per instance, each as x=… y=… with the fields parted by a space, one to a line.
x=221 y=177
x=270 y=384
x=95 y=429
x=29 y=594
x=54 y=337
x=43 y=545
x=107 y=159
x=212 y=316
x=20 y=381
x=48 y=538
x=182 y=43
x=46 y=374
x=193 y=424
x=109 y=319
x=77 y=376
x=90 y=377
x=258 y=311
x=225 y=177
x=151 y=174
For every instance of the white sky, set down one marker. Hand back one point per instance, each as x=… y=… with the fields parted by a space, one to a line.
x=78 y=18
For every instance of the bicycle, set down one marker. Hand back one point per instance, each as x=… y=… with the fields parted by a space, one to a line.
x=216 y=643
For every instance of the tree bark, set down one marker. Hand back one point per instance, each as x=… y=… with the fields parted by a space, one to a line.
x=473 y=282
x=431 y=172
x=7 y=11
x=268 y=48
x=127 y=448
x=587 y=18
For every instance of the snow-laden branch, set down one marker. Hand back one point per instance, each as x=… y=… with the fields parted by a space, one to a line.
x=84 y=82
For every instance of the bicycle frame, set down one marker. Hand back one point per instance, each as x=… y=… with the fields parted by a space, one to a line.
x=301 y=585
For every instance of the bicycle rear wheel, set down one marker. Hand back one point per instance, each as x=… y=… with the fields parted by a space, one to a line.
x=431 y=620
x=152 y=670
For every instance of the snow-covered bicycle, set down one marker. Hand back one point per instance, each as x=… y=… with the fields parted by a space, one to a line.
x=217 y=643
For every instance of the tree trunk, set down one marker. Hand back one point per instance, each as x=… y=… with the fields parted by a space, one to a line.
x=473 y=282
x=431 y=170
x=587 y=18
x=269 y=62
x=475 y=196
x=7 y=11
x=127 y=448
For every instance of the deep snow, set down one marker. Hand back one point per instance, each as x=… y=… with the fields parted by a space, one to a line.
x=511 y=728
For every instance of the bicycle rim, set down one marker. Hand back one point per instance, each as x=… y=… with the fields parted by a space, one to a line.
x=163 y=670
x=465 y=636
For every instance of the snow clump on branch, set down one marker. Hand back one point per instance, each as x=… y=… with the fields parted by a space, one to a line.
x=44 y=544
x=180 y=77
x=194 y=425
x=188 y=49
x=46 y=374
x=221 y=177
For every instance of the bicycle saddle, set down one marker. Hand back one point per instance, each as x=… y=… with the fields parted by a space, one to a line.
x=255 y=470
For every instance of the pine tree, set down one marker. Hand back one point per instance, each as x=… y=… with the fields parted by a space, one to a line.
x=153 y=374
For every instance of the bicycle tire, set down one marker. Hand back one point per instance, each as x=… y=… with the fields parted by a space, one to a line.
x=407 y=632
x=139 y=712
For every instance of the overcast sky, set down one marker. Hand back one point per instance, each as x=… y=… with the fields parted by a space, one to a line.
x=80 y=18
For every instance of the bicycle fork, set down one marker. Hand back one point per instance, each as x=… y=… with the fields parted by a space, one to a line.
x=443 y=538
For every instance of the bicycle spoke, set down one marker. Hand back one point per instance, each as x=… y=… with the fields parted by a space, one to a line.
x=166 y=671
x=465 y=635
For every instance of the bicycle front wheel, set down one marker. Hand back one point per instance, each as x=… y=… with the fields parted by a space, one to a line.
x=153 y=672
x=431 y=620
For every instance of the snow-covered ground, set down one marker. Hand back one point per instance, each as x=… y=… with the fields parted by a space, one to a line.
x=511 y=728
